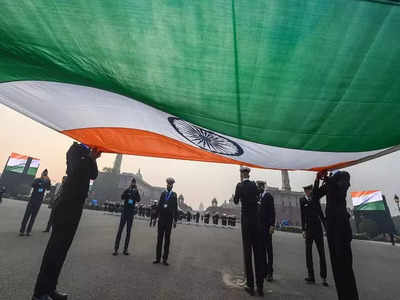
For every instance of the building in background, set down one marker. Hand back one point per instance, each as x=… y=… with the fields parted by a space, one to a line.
x=201 y=207
x=111 y=183
x=286 y=203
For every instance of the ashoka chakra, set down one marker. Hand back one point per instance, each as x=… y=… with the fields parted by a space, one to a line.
x=205 y=139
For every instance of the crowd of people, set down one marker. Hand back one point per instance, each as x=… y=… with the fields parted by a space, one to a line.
x=184 y=217
x=257 y=224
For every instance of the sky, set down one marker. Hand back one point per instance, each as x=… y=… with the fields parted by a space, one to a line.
x=199 y=182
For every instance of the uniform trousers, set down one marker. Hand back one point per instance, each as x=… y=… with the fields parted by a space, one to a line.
x=56 y=251
x=339 y=241
x=253 y=244
x=315 y=234
x=31 y=212
x=269 y=255
x=126 y=219
x=163 y=236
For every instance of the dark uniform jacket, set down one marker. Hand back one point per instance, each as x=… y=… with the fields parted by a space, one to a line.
x=167 y=208
x=247 y=192
x=267 y=210
x=39 y=187
x=75 y=189
x=154 y=209
x=131 y=197
x=337 y=216
x=56 y=198
x=311 y=213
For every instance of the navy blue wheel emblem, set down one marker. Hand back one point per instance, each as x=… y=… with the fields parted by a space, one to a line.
x=205 y=139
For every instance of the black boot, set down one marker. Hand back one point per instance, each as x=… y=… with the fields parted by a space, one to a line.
x=324 y=282
x=43 y=297
x=249 y=290
x=58 y=296
x=310 y=280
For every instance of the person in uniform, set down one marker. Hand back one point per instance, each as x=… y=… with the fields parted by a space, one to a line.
x=233 y=221
x=2 y=191
x=153 y=214
x=188 y=217
x=53 y=204
x=207 y=218
x=252 y=232
x=39 y=186
x=81 y=168
x=167 y=214
x=117 y=207
x=338 y=230
x=216 y=218
x=140 y=209
x=312 y=219
x=197 y=217
x=131 y=197
x=223 y=219
x=148 y=211
x=267 y=214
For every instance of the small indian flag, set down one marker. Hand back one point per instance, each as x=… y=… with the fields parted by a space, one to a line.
x=16 y=163
x=33 y=167
x=368 y=200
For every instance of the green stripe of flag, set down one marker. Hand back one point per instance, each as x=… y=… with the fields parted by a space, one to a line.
x=377 y=205
x=313 y=75
x=15 y=169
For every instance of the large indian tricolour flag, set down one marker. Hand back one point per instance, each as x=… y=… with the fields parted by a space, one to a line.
x=368 y=200
x=282 y=84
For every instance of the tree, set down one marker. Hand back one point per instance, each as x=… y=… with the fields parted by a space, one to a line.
x=369 y=227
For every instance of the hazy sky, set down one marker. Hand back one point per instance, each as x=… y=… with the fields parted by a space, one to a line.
x=197 y=181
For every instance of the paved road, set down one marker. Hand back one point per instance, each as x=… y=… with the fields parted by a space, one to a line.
x=206 y=263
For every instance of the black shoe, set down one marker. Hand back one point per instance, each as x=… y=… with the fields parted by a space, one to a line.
x=126 y=252
x=269 y=277
x=47 y=230
x=157 y=261
x=249 y=290
x=28 y=234
x=165 y=263
x=260 y=292
x=21 y=234
x=115 y=253
x=43 y=297
x=310 y=280
x=324 y=282
x=55 y=295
